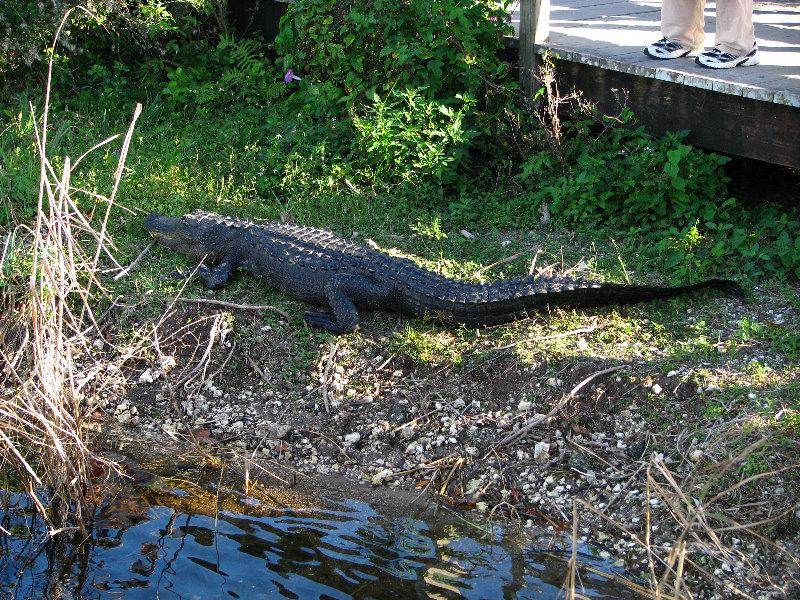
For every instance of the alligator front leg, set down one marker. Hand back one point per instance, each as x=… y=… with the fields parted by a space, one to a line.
x=216 y=277
x=340 y=291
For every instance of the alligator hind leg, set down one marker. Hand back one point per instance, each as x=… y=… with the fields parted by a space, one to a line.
x=340 y=290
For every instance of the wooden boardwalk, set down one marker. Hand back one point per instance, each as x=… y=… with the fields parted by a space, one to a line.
x=610 y=35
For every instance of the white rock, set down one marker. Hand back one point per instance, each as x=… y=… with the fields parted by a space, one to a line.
x=696 y=455
x=583 y=345
x=473 y=485
x=657 y=389
x=541 y=451
x=167 y=362
x=352 y=438
x=467 y=234
x=524 y=405
x=380 y=477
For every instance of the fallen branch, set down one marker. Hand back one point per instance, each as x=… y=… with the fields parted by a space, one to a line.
x=593 y=327
x=284 y=314
x=520 y=433
x=135 y=262
x=331 y=357
x=257 y=369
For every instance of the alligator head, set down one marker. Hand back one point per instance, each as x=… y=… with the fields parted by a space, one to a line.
x=186 y=235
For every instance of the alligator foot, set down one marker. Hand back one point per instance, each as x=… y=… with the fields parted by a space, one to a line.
x=326 y=320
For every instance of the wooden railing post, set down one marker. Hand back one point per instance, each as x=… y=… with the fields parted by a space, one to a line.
x=534 y=28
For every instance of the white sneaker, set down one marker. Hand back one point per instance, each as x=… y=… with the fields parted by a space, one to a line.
x=666 y=49
x=717 y=59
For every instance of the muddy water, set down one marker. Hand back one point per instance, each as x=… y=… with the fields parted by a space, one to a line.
x=169 y=543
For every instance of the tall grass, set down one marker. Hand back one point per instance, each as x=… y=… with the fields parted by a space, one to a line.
x=48 y=287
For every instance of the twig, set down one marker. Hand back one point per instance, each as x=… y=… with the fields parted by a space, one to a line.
x=224 y=363
x=515 y=435
x=135 y=262
x=257 y=369
x=544 y=338
x=457 y=464
x=331 y=356
x=284 y=314
x=322 y=435
x=494 y=264
x=206 y=355
x=532 y=268
x=572 y=565
x=351 y=186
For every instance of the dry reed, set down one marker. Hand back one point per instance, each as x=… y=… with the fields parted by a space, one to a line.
x=45 y=332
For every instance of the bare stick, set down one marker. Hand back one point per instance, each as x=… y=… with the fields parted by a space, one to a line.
x=135 y=262
x=203 y=362
x=331 y=356
x=532 y=268
x=494 y=264
x=520 y=433
x=555 y=336
x=284 y=314
x=257 y=369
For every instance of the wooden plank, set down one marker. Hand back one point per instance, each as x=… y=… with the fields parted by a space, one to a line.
x=727 y=123
x=533 y=29
x=581 y=28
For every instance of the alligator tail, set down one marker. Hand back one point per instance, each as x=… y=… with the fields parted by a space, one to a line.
x=512 y=300
x=614 y=293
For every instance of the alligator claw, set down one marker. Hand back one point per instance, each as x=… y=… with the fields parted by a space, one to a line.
x=180 y=273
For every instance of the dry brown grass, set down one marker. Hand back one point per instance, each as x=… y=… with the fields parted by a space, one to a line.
x=47 y=319
x=703 y=531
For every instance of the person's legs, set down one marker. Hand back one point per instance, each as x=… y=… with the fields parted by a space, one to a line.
x=735 y=44
x=682 y=21
x=735 y=31
x=681 y=29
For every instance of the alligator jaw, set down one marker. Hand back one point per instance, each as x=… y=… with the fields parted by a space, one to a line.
x=161 y=227
x=173 y=233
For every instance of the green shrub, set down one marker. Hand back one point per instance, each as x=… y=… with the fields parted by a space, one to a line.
x=627 y=178
x=103 y=31
x=407 y=137
x=19 y=179
x=345 y=48
x=213 y=75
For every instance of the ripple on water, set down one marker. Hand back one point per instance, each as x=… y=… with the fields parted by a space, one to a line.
x=348 y=552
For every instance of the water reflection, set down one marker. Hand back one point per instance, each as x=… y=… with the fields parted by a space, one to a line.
x=347 y=552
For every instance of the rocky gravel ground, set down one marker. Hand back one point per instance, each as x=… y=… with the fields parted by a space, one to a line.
x=664 y=459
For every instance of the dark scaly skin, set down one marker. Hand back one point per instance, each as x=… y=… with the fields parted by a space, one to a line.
x=318 y=267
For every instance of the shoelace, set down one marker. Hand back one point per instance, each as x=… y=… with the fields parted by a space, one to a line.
x=717 y=53
x=665 y=43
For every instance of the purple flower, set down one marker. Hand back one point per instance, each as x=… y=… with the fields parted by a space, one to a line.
x=290 y=75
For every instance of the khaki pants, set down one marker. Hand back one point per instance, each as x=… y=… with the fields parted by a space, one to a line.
x=682 y=21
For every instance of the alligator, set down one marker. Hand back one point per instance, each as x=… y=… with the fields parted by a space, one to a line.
x=323 y=269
